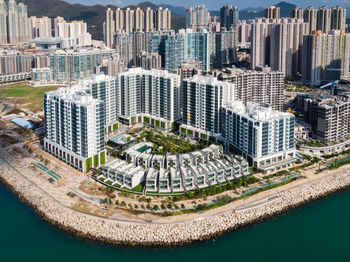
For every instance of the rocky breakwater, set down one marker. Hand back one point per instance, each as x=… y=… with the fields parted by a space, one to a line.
x=132 y=233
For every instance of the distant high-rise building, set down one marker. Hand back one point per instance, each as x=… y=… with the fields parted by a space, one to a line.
x=75 y=32
x=326 y=57
x=262 y=135
x=124 y=45
x=243 y=32
x=134 y=19
x=322 y=19
x=73 y=65
x=13 y=22
x=149 y=61
x=229 y=16
x=197 y=18
x=162 y=19
x=225 y=44
x=39 y=27
x=188 y=69
x=278 y=43
x=14 y=63
x=203 y=99
x=197 y=46
x=272 y=12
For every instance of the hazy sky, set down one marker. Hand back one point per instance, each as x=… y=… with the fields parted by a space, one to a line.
x=216 y=4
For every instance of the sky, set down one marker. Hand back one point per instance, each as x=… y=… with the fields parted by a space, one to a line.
x=217 y=4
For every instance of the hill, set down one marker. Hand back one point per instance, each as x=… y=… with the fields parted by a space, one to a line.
x=254 y=12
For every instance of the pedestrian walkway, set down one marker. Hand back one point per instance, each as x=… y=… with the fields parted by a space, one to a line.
x=48 y=171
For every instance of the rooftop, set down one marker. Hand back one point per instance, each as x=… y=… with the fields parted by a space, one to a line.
x=255 y=111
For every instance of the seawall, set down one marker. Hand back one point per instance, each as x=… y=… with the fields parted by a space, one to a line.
x=134 y=233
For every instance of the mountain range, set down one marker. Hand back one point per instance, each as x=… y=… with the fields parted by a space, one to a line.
x=94 y=15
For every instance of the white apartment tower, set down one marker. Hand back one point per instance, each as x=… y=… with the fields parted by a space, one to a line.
x=203 y=97
x=264 y=136
x=74 y=123
x=151 y=97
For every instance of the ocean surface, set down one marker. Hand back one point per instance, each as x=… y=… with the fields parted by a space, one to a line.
x=319 y=232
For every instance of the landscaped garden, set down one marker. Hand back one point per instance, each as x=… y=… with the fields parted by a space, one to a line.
x=168 y=143
x=314 y=143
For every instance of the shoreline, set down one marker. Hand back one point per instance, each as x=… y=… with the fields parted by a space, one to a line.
x=114 y=232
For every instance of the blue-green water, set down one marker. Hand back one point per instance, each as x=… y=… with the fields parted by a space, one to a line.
x=317 y=232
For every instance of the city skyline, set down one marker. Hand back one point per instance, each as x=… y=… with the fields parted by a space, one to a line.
x=216 y=5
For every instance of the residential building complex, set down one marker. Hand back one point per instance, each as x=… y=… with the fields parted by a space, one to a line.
x=175 y=173
x=71 y=65
x=278 y=43
x=329 y=117
x=322 y=19
x=132 y=20
x=13 y=63
x=326 y=57
x=264 y=136
x=262 y=86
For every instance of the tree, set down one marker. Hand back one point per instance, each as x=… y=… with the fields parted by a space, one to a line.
x=155 y=207
x=182 y=206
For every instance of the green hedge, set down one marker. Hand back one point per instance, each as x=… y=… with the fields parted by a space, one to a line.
x=88 y=164
x=115 y=126
x=133 y=119
x=146 y=119
x=103 y=157
x=96 y=161
x=183 y=130
x=190 y=132
x=157 y=123
x=162 y=124
x=204 y=136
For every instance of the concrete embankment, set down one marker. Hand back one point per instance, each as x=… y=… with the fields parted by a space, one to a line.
x=133 y=233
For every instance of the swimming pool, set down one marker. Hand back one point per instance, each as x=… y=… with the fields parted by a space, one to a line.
x=143 y=149
x=117 y=138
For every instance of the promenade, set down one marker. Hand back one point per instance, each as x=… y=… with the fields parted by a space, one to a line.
x=177 y=229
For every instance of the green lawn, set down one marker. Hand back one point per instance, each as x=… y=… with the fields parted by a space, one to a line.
x=25 y=96
x=139 y=187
